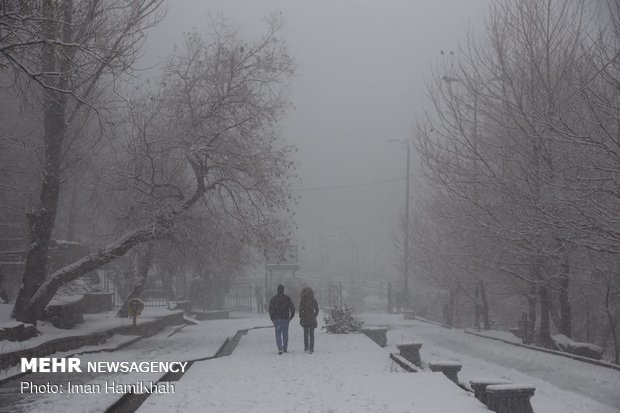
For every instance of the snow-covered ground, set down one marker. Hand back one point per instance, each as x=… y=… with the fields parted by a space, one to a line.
x=562 y=385
x=346 y=373
x=191 y=342
x=92 y=323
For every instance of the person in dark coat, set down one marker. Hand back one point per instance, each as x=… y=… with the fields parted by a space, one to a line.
x=308 y=311
x=281 y=311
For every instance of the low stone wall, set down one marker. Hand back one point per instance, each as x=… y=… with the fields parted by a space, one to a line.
x=149 y=328
x=97 y=302
x=211 y=315
x=450 y=369
x=404 y=363
x=146 y=329
x=411 y=352
x=479 y=387
x=546 y=350
x=408 y=315
x=510 y=398
x=18 y=332
x=65 y=315
x=378 y=335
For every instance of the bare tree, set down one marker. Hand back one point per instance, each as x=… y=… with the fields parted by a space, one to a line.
x=491 y=141
x=204 y=142
x=59 y=52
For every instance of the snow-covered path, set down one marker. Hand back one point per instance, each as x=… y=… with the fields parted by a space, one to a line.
x=559 y=381
x=194 y=341
x=347 y=373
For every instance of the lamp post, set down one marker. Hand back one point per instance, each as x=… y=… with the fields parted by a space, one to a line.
x=406 y=271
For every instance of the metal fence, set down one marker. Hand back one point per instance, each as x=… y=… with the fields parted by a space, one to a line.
x=155 y=298
x=120 y=286
x=240 y=298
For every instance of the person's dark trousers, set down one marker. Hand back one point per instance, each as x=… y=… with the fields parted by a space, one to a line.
x=281 y=333
x=309 y=338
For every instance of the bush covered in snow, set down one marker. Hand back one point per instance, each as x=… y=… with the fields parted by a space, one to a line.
x=567 y=345
x=342 y=321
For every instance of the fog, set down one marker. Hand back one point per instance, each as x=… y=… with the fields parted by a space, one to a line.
x=360 y=81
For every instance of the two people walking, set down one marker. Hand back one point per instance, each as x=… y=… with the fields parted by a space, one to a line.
x=282 y=311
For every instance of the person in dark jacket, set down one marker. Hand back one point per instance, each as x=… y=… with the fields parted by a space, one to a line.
x=281 y=311
x=308 y=311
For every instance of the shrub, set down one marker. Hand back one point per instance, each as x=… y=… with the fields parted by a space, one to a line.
x=342 y=321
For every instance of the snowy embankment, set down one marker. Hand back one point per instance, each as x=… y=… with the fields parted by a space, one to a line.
x=562 y=385
x=192 y=342
x=93 y=323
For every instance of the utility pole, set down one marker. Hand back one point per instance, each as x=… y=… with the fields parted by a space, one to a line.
x=405 y=293
x=406 y=284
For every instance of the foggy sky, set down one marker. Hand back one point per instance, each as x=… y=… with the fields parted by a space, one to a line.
x=361 y=68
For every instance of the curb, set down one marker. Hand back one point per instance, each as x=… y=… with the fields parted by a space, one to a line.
x=130 y=402
x=435 y=323
x=103 y=350
x=548 y=351
x=147 y=328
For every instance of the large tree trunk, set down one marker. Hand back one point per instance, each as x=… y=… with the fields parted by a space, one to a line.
x=565 y=326
x=485 y=307
x=145 y=263
x=89 y=263
x=41 y=222
x=450 y=307
x=612 y=321
x=157 y=230
x=531 y=323
x=477 y=306
x=544 y=337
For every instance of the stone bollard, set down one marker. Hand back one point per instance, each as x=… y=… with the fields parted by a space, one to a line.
x=510 y=398
x=449 y=368
x=378 y=335
x=479 y=387
x=411 y=352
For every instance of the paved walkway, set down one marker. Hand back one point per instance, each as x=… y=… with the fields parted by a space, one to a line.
x=347 y=373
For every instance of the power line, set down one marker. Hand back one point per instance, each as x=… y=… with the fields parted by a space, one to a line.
x=325 y=188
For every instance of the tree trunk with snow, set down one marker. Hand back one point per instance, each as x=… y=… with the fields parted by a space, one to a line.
x=45 y=46
x=89 y=263
x=565 y=326
x=544 y=334
x=485 y=307
x=531 y=314
x=41 y=221
x=145 y=262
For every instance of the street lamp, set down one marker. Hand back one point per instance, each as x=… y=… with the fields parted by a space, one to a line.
x=407 y=144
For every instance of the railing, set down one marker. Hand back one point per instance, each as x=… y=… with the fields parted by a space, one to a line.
x=155 y=298
x=240 y=298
